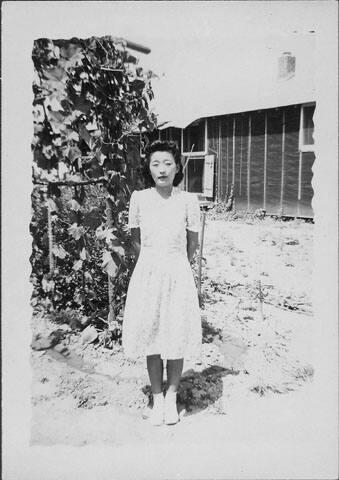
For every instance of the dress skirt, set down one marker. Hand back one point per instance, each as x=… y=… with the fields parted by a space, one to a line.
x=162 y=314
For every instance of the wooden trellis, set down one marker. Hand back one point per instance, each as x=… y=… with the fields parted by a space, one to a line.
x=51 y=237
x=109 y=224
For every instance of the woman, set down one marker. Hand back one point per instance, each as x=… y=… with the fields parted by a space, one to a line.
x=162 y=316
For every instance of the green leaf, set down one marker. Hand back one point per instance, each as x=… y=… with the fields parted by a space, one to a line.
x=100 y=233
x=108 y=264
x=74 y=178
x=85 y=135
x=92 y=219
x=74 y=205
x=73 y=136
x=119 y=249
x=59 y=251
x=92 y=126
x=47 y=285
x=100 y=157
x=80 y=103
x=84 y=255
x=56 y=73
x=78 y=265
x=48 y=151
x=75 y=231
x=110 y=236
x=54 y=104
x=103 y=233
x=91 y=294
x=80 y=298
x=52 y=205
x=88 y=277
x=74 y=153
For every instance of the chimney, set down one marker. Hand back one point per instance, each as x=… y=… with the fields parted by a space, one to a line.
x=286 y=66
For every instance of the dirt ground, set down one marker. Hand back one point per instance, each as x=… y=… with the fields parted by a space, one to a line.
x=256 y=360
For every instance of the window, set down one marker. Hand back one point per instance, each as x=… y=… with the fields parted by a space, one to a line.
x=199 y=175
x=306 y=140
x=194 y=138
x=194 y=175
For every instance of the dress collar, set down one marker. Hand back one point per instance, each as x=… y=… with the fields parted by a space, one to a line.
x=174 y=192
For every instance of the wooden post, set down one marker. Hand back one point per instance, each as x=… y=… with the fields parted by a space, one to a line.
x=248 y=161
x=219 y=164
x=182 y=140
x=265 y=161
x=299 y=182
x=50 y=238
x=240 y=169
x=50 y=248
x=184 y=168
x=188 y=158
x=109 y=224
x=227 y=158
x=282 y=163
x=233 y=152
x=201 y=251
x=206 y=137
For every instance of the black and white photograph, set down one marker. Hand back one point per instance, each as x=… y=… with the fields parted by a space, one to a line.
x=169 y=240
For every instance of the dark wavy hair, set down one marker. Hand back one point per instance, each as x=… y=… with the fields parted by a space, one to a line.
x=162 y=146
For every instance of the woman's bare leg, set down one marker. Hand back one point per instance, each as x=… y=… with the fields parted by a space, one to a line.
x=155 y=367
x=174 y=371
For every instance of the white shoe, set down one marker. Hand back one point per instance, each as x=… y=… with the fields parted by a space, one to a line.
x=157 y=412
x=171 y=411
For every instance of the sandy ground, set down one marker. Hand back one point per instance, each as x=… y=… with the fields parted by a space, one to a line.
x=253 y=383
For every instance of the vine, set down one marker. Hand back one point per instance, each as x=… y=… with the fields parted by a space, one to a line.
x=89 y=97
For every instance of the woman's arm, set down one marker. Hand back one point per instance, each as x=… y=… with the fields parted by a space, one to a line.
x=192 y=244
x=135 y=234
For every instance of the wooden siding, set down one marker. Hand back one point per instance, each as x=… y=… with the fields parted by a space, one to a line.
x=223 y=159
x=241 y=200
x=239 y=187
x=258 y=153
x=291 y=167
x=213 y=148
x=171 y=134
x=273 y=168
x=306 y=194
x=256 y=170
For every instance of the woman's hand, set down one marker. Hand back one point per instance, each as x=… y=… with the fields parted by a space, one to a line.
x=192 y=244
x=135 y=234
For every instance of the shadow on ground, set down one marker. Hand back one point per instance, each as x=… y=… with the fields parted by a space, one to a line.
x=198 y=390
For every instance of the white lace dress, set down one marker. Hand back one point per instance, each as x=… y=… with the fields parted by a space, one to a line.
x=162 y=314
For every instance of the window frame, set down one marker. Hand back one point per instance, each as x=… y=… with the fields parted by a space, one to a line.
x=194 y=154
x=202 y=157
x=305 y=147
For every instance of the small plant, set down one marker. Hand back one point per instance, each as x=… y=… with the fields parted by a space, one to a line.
x=195 y=269
x=221 y=211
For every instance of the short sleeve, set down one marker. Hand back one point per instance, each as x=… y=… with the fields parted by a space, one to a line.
x=192 y=213
x=134 y=211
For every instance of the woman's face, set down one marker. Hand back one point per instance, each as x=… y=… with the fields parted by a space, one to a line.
x=163 y=168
